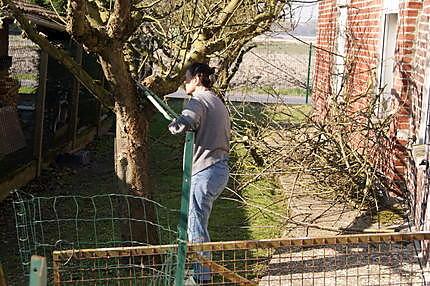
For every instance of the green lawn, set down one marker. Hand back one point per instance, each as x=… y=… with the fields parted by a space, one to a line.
x=268 y=90
x=290 y=48
x=27 y=90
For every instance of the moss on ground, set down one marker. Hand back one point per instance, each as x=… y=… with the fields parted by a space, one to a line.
x=390 y=216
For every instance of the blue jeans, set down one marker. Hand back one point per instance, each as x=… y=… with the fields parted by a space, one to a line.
x=206 y=186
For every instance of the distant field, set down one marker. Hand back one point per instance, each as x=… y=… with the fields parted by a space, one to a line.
x=281 y=65
x=278 y=66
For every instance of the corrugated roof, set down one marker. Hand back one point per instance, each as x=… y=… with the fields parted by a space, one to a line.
x=41 y=16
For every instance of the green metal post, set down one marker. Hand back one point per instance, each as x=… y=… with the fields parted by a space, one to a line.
x=308 y=88
x=185 y=200
x=38 y=272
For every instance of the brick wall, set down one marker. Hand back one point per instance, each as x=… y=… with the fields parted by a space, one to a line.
x=419 y=81
x=411 y=83
x=365 y=30
x=364 y=42
x=403 y=84
x=326 y=39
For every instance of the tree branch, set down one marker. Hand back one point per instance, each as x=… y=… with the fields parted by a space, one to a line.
x=79 y=26
x=120 y=24
x=86 y=80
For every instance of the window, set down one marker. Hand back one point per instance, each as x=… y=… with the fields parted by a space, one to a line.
x=341 y=44
x=387 y=64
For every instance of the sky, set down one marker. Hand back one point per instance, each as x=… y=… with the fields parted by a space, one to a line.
x=307 y=11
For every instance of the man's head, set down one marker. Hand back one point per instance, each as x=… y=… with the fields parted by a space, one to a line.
x=198 y=76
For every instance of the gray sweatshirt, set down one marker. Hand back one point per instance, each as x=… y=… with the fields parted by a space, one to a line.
x=207 y=115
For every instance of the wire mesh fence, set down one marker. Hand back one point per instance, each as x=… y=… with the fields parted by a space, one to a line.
x=45 y=224
x=276 y=68
x=376 y=259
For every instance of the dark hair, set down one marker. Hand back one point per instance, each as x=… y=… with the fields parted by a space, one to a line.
x=204 y=71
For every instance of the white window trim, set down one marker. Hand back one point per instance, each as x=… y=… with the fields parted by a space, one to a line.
x=421 y=136
x=391 y=6
x=381 y=48
x=342 y=23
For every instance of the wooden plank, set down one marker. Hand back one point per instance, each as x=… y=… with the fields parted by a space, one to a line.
x=45 y=23
x=40 y=112
x=74 y=105
x=246 y=244
x=56 y=272
x=4 y=38
x=223 y=271
x=11 y=136
x=38 y=271
x=2 y=276
x=17 y=178
x=99 y=109
x=27 y=172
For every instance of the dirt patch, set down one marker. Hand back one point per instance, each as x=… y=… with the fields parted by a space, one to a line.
x=282 y=64
x=314 y=216
x=355 y=264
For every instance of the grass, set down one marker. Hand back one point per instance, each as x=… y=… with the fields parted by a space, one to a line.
x=290 y=113
x=389 y=216
x=27 y=90
x=268 y=90
x=235 y=216
x=26 y=76
x=290 y=48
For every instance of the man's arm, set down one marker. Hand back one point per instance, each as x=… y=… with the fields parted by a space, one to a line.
x=189 y=118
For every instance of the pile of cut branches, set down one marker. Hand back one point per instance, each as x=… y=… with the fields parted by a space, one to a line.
x=340 y=155
x=343 y=153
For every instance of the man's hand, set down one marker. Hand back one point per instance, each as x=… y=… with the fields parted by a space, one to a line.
x=176 y=127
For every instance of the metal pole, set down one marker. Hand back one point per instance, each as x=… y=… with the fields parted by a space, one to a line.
x=308 y=89
x=185 y=201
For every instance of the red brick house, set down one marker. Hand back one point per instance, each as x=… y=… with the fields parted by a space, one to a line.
x=388 y=43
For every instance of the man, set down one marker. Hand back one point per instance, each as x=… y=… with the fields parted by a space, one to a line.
x=207 y=115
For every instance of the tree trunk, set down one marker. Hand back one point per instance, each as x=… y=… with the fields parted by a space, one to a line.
x=131 y=167
x=131 y=154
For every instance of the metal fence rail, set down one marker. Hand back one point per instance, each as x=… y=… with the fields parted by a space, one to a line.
x=376 y=259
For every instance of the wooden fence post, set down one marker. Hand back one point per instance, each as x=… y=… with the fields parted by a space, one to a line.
x=74 y=106
x=99 y=109
x=2 y=276
x=40 y=112
x=38 y=271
